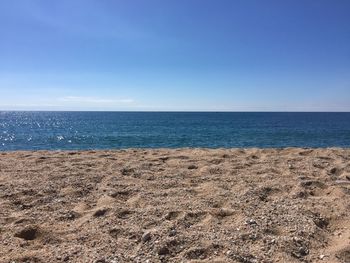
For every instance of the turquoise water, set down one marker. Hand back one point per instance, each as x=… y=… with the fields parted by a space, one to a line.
x=115 y=130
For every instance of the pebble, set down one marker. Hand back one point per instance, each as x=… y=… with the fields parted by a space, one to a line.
x=192 y=167
x=333 y=170
x=173 y=232
x=163 y=251
x=251 y=222
x=146 y=237
x=100 y=212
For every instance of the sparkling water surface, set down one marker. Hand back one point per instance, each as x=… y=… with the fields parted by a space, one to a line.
x=116 y=130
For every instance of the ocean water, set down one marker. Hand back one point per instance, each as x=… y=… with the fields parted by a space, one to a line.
x=116 y=130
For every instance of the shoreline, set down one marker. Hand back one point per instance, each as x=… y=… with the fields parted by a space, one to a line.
x=175 y=204
x=178 y=148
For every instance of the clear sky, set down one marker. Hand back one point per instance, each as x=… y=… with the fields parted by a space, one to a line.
x=224 y=55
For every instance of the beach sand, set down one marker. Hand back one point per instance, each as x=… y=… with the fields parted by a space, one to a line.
x=180 y=205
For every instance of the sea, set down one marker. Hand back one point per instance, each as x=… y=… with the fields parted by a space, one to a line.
x=120 y=130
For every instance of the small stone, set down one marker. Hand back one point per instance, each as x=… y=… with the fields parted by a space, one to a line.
x=28 y=233
x=173 y=232
x=333 y=170
x=192 y=167
x=251 y=222
x=100 y=212
x=146 y=237
x=70 y=215
x=300 y=252
x=165 y=158
x=163 y=251
x=321 y=222
x=322 y=256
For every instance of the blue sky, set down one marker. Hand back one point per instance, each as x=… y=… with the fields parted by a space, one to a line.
x=225 y=55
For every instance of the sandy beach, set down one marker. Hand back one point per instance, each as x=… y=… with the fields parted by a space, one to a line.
x=180 y=205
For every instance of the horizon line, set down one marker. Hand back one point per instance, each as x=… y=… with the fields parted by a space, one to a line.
x=177 y=111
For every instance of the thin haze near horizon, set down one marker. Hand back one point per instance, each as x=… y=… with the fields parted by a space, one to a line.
x=191 y=55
